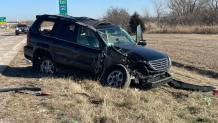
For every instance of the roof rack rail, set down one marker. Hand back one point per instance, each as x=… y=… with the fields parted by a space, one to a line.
x=88 y=20
x=103 y=23
x=85 y=20
x=57 y=16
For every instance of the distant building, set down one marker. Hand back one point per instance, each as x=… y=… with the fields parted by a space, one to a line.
x=12 y=23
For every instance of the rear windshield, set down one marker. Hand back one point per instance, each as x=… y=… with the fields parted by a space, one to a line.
x=21 y=25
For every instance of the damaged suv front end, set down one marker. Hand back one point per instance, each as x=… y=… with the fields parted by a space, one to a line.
x=152 y=73
x=146 y=66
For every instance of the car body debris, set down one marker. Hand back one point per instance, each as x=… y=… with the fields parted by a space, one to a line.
x=185 y=86
x=39 y=79
x=215 y=93
x=22 y=90
x=136 y=89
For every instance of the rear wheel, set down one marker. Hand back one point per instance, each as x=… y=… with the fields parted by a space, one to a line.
x=46 y=65
x=117 y=77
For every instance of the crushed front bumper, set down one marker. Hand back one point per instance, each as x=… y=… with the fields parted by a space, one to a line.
x=159 y=82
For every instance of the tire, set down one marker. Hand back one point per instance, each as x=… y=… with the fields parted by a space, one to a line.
x=122 y=79
x=46 y=65
x=16 y=33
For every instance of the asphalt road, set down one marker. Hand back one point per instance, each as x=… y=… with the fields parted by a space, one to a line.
x=10 y=44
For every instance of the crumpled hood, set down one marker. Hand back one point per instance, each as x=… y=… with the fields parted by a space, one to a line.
x=144 y=53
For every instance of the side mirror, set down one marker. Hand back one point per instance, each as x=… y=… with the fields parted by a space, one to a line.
x=139 y=36
x=142 y=43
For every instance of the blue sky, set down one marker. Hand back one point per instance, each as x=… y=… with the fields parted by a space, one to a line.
x=28 y=9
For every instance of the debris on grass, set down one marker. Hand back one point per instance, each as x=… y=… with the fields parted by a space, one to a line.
x=44 y=99
x=136 y=89
x=215 y=93
x=206 y=99
x=39 y=79
x=73 y=121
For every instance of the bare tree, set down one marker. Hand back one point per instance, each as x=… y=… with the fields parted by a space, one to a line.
x=213 y=9
x=159 y=9
x=118 y=16
x=186 y=12
x=147 y=18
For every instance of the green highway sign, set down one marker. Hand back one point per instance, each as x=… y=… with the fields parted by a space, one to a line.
x=63 y=7
x=3 y=21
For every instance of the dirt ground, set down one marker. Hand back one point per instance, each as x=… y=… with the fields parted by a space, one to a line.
x=87 y=101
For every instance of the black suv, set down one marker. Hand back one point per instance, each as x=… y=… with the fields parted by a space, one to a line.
x=21 y=29
x=55 y=42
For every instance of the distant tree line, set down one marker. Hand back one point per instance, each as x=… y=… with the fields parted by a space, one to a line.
x=167 y=12
x=186 y=12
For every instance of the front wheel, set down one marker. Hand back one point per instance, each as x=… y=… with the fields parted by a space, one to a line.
x=117 y=77
x=46 y=65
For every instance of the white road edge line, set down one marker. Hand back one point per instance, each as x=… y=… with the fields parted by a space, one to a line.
x=19 y=44
x=14 y=48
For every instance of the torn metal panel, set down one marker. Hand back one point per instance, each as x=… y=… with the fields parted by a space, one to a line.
x=98 y=63
x=114 y=57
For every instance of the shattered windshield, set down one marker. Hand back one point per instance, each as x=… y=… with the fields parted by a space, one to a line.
x=116 y=36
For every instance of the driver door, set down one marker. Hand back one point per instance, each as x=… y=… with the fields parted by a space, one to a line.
x=87 y=50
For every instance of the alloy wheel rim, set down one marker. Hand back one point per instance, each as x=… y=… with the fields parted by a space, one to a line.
x=115 y=79
x=47 y=67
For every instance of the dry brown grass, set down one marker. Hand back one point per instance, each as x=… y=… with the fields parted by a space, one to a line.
x=198 y=51
x=87 y=101
x=186 y=29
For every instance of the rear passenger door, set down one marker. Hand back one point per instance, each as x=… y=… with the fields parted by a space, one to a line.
x=87 y=50
x=61 y=45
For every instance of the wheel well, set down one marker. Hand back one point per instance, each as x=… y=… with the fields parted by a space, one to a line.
x=38 y=54
x=116 y=65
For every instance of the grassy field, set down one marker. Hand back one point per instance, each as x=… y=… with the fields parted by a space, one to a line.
x=184 y=29
x=194 y=51
x=87 y=101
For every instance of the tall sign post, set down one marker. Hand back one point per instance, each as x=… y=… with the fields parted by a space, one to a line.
x=3 y=21
x=63 y=7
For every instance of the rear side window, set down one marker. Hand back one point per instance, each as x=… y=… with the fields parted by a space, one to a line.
x=46 y=27
x=65 y=31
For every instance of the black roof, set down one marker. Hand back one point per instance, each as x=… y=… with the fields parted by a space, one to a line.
x=106 y=27
x=84 y=20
